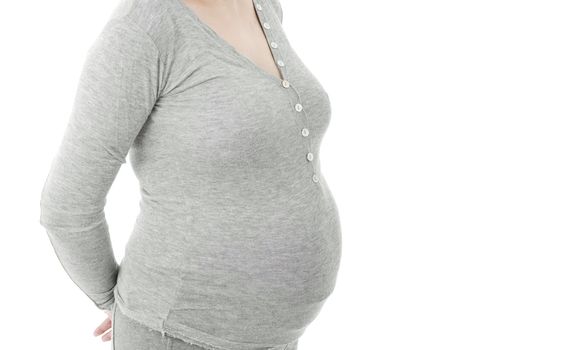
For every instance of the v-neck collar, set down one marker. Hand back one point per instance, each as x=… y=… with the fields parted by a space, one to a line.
x=263 y=19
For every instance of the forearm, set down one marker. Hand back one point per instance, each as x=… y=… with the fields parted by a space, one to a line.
x=84 y=252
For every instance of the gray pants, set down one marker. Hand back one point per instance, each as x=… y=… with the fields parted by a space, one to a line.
x=128 y=334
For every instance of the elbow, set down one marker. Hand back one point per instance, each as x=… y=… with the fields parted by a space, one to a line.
x=61 y=218
x=45 y=216
x=64 y=211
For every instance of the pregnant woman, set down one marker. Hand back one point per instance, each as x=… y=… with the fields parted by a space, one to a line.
x=237 y=243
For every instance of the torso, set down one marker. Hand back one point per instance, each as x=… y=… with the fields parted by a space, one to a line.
x=238 y=240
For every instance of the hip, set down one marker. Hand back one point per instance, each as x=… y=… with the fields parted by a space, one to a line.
x=129 y=334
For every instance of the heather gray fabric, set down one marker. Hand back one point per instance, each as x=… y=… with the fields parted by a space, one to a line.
x=238 y=242
x=127 y=334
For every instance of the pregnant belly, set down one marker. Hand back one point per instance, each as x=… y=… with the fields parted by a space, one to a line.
x=262 y=269
x=266 y=278
x=286 y=252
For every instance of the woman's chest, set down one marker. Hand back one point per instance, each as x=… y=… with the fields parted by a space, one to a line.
x=223 y=111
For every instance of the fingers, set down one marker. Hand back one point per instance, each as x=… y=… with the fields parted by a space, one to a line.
x=103 y=327
x=107 y=336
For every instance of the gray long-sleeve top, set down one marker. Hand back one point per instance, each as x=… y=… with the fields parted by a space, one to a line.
x=238 y=242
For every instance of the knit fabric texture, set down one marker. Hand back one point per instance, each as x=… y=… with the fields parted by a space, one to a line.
x=237 y=244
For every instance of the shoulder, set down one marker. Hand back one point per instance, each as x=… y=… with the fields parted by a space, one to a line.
x=146 y=20
x=146 y=14
x=276 y=4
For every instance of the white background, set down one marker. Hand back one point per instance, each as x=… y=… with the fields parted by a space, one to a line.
x=454 y=154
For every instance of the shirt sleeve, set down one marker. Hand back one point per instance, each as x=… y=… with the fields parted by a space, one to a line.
x=116 y=92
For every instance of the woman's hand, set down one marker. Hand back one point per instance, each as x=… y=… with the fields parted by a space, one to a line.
x=104 y=327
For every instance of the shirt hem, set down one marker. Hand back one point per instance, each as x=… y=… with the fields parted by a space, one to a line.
x=199 y=338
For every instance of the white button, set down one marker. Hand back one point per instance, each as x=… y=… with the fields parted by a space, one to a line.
x=315 y=178
x=305 y=132
x=310 y=156
x=259 y=7
x=280 y=63
x=267 y=25
x=298 y=107
x=274 y=45
x=285 y=84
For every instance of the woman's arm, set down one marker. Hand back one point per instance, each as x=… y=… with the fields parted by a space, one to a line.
x=118 y=88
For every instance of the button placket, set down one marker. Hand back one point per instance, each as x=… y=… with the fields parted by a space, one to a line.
x=299 y=108
x=309 y=156
x=270 y=39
